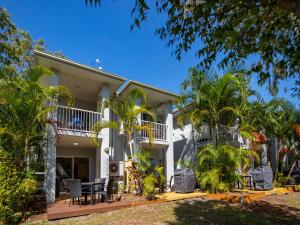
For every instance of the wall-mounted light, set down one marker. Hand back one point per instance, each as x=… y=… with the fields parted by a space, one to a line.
x=75 y=144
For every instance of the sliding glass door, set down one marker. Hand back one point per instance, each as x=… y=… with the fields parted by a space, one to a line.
x=71 y=168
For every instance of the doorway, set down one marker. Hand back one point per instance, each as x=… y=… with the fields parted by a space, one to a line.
x=71 y=167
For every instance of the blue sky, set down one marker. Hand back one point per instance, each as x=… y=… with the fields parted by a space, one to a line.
x=86 y=33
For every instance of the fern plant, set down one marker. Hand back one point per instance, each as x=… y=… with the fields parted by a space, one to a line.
x=149 y=186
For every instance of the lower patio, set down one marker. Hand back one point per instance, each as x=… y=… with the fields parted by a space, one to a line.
x=61 y=209
x=272 y=209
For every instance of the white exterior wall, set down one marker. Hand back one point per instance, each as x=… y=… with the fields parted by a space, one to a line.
x=51 y=151
x=186 y=142
x=170 y=148
x=102 y=153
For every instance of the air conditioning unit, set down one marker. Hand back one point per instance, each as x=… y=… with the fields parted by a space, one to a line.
x=116 y=169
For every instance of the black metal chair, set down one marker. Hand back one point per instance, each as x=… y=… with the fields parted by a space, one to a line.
x=101 y=189
x=76 y=191
x=66 y=188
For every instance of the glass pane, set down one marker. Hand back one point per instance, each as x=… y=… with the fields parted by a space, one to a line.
x=81 y=169
x=63 y=171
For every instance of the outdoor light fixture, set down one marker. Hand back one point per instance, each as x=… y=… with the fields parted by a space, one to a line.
x=75 y=144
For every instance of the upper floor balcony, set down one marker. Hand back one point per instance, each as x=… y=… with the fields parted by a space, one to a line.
x=158 y=131
x=76 y=121
x=80 y=122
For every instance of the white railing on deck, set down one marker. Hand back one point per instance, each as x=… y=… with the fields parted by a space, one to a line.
x=158 y=130
x=76 y=119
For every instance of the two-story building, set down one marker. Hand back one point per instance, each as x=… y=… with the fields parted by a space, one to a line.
x=70 y=151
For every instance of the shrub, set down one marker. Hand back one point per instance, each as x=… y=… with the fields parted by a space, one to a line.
x=149 y=186
x=281 y=180
x=216 y=166
x=16 y=189
x=161 y=180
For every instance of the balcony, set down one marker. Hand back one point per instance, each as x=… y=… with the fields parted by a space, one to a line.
x=76 y=120
x=158 y=130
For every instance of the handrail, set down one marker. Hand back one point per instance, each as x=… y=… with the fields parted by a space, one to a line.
x=159 y=130
x=75 y=119
x=67 y=107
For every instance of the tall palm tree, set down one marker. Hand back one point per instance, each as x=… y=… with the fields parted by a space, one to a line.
x=24 y=111
x=275 y=119
x=128 y=113
x=216 y=101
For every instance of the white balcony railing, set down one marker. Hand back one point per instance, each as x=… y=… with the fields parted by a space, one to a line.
x=76 y=119
x=158 y=130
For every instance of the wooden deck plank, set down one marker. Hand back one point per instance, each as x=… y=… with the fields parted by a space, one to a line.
x=60 y=210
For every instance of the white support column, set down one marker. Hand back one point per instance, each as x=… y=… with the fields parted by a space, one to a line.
x=102 y=153
x=50 y=181
x=170 y=148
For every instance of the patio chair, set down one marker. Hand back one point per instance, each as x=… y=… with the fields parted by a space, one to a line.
x=76 y=191
x=101 y=189
x=66 y=188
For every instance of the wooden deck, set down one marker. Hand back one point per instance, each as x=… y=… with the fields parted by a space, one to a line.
x=60 y=210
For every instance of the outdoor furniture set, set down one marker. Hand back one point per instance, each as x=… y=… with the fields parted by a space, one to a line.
x=75 y=189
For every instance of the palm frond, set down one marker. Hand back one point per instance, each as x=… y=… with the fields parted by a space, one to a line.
x=98 y=127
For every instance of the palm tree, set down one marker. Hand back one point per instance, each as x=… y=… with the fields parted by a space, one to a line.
x=128 y=113
x=275 y=119
x=215 y=101
x=24 y=111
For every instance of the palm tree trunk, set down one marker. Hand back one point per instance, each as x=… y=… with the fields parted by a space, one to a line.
x=216 y=135
x=26 y=153
x=131 y=147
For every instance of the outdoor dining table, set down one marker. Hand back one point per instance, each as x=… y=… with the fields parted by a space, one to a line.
x=91 y=185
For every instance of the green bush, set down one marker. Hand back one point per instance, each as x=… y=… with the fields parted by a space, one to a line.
x=161 y=180
x=281 y=180
x=216 y=166
x=149 y=186
x=16 y=189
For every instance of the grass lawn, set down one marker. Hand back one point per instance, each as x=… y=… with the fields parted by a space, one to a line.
x=271 y=210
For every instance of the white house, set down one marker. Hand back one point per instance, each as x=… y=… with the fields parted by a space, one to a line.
x=70 y=151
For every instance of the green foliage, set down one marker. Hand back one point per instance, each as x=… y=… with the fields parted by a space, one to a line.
x=212 y=100
x=143 y=161
x=149 y=186
x=216 y=168
x=128 y=113
x=16 y=189
x=235 y=28
x=16 y=47
x=25 y=112
x=161 y=180
x=282 y=180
